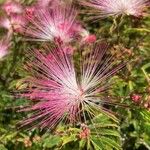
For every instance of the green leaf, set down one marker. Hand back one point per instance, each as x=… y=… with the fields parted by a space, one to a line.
x=52 y=141
x=104 y=130
x=97 y=144
x=108 y=132
x=82 y=144
x=110 y=142
x=67 y=139
x=2 y=147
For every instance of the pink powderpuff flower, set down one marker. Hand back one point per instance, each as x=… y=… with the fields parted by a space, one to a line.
x=4 y=46
x=106 y=8
x=58 y=93
x=12 y=7
x=54 y=24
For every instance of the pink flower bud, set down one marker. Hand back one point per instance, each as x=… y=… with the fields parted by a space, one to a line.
x=136 y=98
x=90 y=39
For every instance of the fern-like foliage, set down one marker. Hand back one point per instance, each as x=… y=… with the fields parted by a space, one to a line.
x=101 y=134
x=104 y=134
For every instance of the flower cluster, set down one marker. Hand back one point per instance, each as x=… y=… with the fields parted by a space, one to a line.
x=106 y=8
x=44 y=21
x=58 y=23
x=57 y=89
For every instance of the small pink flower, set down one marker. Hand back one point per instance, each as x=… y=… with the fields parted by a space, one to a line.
x=4 y=46
x=90 y=39
x=136 y=98
x=106 y=8
x=85 y=133
x=58 y=93
x=147 y=105
x=54 y=24
x=87 y=38
x=12 y=7
x=16 y=23
x=5 y=23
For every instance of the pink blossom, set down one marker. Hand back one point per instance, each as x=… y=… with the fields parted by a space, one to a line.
x=85 y=133
x=136 y=98
x=59 y=93
x=12 y=7
x=5 y=23
x=30 y=11
x=4 y=45
x=54 y=24
x=90 y=39
x=16 y=23
x=87 y=38
x=106 y=8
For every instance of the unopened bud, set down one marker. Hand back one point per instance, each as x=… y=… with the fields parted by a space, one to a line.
x=90 y=39
x=136 y=98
